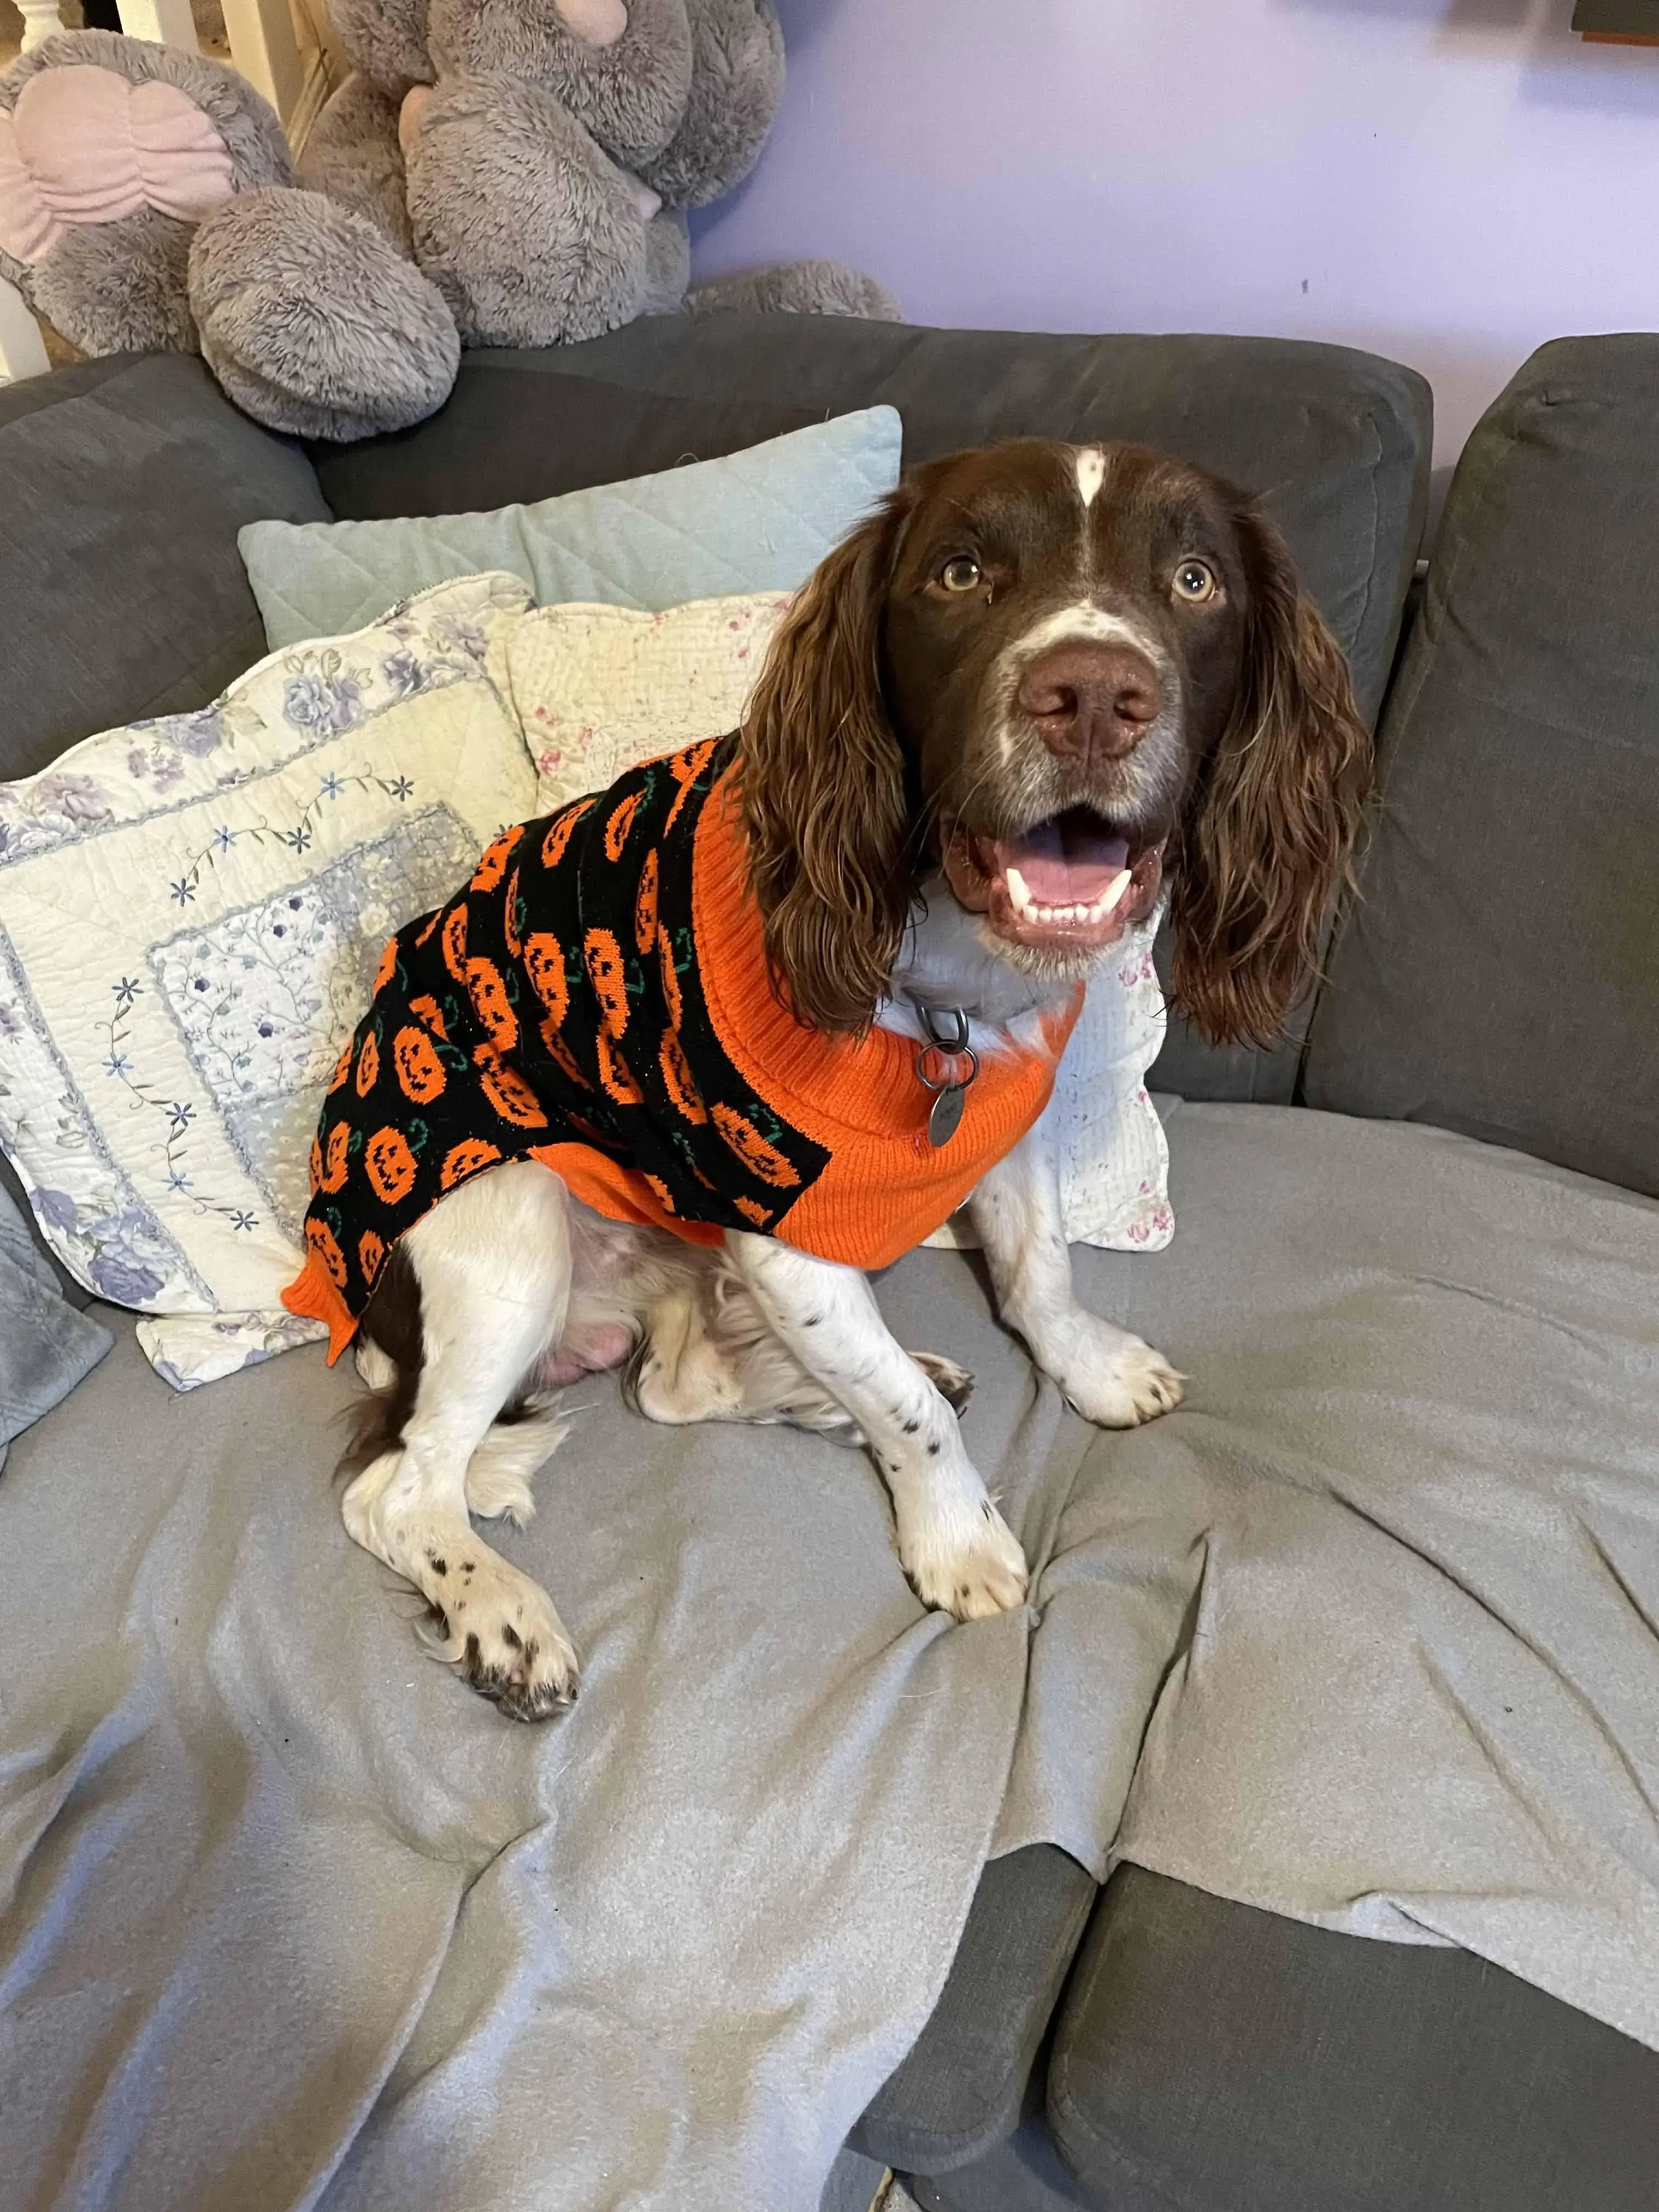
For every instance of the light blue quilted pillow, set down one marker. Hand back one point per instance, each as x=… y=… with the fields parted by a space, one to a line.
x=756 y=521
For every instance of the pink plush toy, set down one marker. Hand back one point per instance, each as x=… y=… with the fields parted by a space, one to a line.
x=81 y=146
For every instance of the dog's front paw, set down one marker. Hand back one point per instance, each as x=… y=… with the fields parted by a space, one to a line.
x=967 y=1561
x=1111 y=1377
x=500 y=1630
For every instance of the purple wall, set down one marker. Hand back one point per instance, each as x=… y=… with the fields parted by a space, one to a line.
x=1448 y=181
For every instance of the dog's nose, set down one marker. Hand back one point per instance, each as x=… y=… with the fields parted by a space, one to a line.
x=1090 y=699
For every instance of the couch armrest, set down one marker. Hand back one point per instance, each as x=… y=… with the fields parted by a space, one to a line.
x=960 y=2089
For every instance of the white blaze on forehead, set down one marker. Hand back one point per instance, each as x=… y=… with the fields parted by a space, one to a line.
x=1091 y=462
x=1083 y=620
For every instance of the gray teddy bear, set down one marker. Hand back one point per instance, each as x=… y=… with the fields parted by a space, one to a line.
x=493 y=172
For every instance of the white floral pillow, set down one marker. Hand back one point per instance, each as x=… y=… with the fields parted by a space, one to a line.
x=599 y=688
x=190 y=914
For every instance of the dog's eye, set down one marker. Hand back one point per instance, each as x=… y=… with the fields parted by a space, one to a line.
x=961 y=573
x=1194 y=581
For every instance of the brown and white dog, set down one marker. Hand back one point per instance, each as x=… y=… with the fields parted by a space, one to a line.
x=1043 y=682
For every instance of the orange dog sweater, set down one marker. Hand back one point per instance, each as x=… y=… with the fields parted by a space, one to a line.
x=597 y=999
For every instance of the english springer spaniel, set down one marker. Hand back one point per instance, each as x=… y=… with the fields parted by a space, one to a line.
x=684 y=1060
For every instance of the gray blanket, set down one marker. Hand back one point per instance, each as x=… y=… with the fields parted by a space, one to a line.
x=291 y=1919
x=46 y=1345
x=1385 y=1594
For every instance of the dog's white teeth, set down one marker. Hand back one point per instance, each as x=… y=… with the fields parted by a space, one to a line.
x=1029 y=909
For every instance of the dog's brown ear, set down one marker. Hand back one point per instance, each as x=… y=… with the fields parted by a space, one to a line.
x=1267 y=838
x=824 y=800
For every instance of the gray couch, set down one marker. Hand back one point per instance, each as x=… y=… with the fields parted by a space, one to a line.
x=1148 y=2043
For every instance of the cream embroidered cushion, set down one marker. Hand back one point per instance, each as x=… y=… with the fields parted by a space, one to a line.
x=599 y=688
x=190 y=914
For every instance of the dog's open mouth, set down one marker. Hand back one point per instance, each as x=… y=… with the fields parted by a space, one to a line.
x=1071 y=883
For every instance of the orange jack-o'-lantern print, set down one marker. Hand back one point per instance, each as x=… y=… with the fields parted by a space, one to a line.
x=670 y=982
x=560 y=830
x=685 y=767
x=678 y=1081
x=321 y=1239
x=420 y=1070
x=645 y=904
x=390 y=1166
x=752 y=1209
x=428 y=927
x=544 y=962
x=343 y=1066
x=764 y=1159
x=561 y=1054
x=369 y=1064
x=388 y=969
x=491 y=1004
x=615 y=1076
x=510 y=1095
x=337 y=1160
x=493 y=866
x=513 y=915
x=621 y=822
x=658 y=1190
x=604 y=971
x=371 y=1251
x=455 y=942
x=316 y=1164
x=469 y=1158
x=426 y=1009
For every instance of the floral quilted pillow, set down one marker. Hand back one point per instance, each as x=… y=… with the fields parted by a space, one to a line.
x=598 y=690
x=190 y=913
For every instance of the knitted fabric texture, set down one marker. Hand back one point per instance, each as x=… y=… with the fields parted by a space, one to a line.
x=597 y=999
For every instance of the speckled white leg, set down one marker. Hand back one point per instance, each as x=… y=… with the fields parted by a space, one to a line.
x=952 y=1542
x=1110 y=1376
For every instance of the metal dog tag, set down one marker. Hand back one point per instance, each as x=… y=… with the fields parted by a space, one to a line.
x=946 y=1118
x=950 y=1093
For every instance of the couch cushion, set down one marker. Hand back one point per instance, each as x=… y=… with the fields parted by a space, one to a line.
x=1337 y=441
x=1501 y=974
x=122 y=483
x=959 y=2090
x=507 y=433
x=1211 y=2058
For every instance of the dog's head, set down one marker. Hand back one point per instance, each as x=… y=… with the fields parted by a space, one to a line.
x=1055 y=673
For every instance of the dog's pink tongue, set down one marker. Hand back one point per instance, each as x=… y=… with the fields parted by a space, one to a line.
x=1064 y=863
